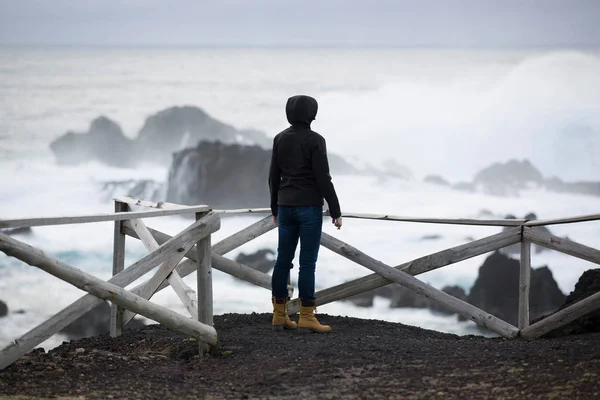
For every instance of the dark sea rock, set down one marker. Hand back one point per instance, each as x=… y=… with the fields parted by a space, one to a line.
x=261 y=260
x=104 y=142
x=496 y=289
x=455 y=291
x=588 y=188
x=3 y=309
x=587 y=285
x=178 y=128
x=517 y=174
x=221 y=176
x=16 y=231
x=437 y=180
x=95 y=322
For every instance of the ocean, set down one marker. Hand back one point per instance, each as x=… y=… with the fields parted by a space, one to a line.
x=442 y=112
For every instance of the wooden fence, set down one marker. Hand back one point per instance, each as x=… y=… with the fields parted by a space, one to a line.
x=191 y=251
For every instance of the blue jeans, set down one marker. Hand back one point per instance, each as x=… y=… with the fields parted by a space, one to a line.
x=304 y=223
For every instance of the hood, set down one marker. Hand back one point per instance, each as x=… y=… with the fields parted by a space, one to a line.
x=301 y=110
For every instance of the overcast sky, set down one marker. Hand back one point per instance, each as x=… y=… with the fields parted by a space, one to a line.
x=412 y=23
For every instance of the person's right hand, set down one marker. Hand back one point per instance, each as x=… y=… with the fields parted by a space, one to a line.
x=337 y=222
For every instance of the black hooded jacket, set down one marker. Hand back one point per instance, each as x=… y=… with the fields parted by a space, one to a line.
x=299 y=174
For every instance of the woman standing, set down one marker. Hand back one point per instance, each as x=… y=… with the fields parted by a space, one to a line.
x=299 y=180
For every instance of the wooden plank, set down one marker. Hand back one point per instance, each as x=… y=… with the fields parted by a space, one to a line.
x=563 y=317
x=244 y=236
x=111 y=292
x=524 y=283
x=557 y=221
x=204 y=278
x=116 y=312
x=77 y=309
x=185 y=293
x=84 y=219
x=462 y=308
x=221 y=263
x=450 y=221
x=161 y=205
x=414 y=267
x=563 y=245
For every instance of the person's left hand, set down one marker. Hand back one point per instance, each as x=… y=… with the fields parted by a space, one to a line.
x=275 y=221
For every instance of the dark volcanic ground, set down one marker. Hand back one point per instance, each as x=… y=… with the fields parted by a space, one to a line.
x=360 y=359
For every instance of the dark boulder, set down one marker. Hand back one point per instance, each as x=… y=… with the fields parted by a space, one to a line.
x=587 y=285
x=95 y=322
x=104 y=142
x=16 y=231
x=516 y=174
x=177 y=128
x=3 y=309
x=366 y=299
x=220 y=175
x=455 y=291
x=262 y=260
x=437 y=180
x=496 y=289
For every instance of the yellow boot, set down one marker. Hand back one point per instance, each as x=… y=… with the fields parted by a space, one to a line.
x=281 y=319
x=308 y=321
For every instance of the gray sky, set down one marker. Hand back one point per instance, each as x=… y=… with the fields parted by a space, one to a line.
x=413 y=23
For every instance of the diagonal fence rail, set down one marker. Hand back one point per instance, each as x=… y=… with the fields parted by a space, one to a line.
x=191 y=251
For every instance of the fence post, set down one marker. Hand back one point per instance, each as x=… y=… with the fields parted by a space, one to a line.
x=205 y=289
x=524 y=283
x=116 y=312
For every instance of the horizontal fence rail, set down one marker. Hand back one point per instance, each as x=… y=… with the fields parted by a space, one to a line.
x=174 y=257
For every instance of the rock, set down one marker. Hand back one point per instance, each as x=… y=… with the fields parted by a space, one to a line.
x=95 y=322
x=587 y=285
x=437 y=180
x=16 y=231
x=178 y=128
x=496 y=289
x=221 y=176
x=432 y=236
x=262 y=260
x=104 y=142
x=366 y=299
x=3 y=309
x=516 y=174
x=557 y=185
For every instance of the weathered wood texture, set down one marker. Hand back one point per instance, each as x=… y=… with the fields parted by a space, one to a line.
x=84 y=219
x=108 y=291
x=462 y=308
x=204 y=279
x=80 y=307
x=414 y=267
x=165 y=270
x=563 y=245
x=563 y=317
x=570 y=220
x=524 y=283
x=116 y=312
x=218 y=262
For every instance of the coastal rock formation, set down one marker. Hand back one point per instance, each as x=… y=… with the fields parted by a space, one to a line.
x=95 y=322
x=437 y=180
x=262 y=260
x=514 y=174
x=219 y=175
x=146 y=189
x=515 y=249
x=587 y=285
x=3 y=309
x=178 y=128
x=496 y=289
x=104 y=142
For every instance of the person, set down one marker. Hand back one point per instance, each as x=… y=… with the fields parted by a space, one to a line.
x=299 y=180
